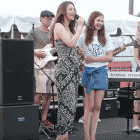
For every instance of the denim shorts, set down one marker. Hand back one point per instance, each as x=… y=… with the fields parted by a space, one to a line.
x=95 y=78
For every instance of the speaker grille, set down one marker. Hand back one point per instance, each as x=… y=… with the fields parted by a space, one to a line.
x=17 y=69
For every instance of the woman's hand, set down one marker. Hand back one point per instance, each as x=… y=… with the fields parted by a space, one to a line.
x=81 y=67
x=89 y=59
x=80 y=21
x=81 y=52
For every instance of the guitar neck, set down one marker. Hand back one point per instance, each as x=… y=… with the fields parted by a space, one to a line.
x=126 y=45
x=116 y=49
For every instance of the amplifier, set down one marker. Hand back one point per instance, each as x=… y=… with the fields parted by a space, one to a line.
x=113 y=85
x=109 y=108
x=19 y=122
x=125 y=105
x=110 y=93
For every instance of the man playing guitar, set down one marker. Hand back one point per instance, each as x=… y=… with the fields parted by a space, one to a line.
x=43 y=83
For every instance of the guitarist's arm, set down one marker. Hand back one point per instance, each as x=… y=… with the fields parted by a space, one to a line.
x=122 y=48
x=136 y=54
x=42 y=52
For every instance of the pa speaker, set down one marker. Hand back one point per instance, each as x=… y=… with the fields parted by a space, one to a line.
x=16 y=72
x=19 y=122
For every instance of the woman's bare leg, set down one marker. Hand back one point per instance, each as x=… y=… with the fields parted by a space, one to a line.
x=136 y=108
x=89 y=106
x=96 y=112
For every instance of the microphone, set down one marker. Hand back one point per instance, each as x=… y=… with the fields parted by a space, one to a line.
x=77 y=16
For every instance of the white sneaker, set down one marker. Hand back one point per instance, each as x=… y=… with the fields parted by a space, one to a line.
x=81 y=120
x=99 y=120
x=136 y=128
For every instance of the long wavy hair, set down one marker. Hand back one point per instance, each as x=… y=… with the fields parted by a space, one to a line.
x=89 y=32
x=138 y=32
x=59 y=18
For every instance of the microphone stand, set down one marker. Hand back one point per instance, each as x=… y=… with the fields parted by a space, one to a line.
x=52 y=84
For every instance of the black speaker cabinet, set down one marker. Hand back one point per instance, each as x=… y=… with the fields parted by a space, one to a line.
x=16 y=72
x=113 y=85
x=109 y=108
x=124 y=106
x=52 y=115
x=19 y=122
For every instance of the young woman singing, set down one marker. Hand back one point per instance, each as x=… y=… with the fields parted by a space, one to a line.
x=64 y=36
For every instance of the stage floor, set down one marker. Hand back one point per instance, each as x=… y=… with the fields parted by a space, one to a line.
x=108 y=129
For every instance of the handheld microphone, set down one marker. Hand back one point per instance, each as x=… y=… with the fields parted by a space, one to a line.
x=77 y=16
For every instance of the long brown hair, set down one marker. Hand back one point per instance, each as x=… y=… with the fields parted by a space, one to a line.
x=90 y=31
x=59 y=18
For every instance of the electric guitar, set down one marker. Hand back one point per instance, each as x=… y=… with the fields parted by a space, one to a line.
x=126 y=45
x=41 y=62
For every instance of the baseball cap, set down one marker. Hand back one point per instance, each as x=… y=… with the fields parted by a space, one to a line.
x=46 y=13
